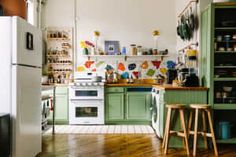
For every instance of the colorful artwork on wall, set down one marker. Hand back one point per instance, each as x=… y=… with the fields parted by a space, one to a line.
x=144 y=69
x=144 y=65
x=121 y=67
x=132 y=66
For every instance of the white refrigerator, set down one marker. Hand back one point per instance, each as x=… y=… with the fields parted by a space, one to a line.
x=20 y=83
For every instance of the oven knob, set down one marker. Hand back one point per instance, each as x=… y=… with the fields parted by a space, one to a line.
x=89 y=84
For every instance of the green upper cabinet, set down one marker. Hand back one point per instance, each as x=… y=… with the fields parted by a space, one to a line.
x=114 y=106
x=125 y=105
x=138 y=106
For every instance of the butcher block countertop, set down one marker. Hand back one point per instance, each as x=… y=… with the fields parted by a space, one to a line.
x=165 y=86
x=129 y=84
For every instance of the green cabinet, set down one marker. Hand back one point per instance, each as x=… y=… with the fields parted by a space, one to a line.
x=217 y=60
x=185 y=97
x=61 y=107
x=138 y=106
x=126 y=105
x=115 y=106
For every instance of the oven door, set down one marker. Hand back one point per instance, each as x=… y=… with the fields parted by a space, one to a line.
x=86 y=112
x=86 y=93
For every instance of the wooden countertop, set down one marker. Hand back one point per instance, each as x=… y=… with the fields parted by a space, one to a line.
x=170 y=87
x=129 y=84
x=165 y=87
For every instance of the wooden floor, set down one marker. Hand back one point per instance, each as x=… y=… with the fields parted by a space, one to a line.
x=123 y=145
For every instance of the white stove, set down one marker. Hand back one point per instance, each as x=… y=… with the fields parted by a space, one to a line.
x=86 y=104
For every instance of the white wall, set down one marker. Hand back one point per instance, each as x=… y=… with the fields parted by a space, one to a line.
x=129 y=21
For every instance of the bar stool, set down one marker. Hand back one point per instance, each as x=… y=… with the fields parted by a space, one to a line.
x=168 y=132
x=203 y=108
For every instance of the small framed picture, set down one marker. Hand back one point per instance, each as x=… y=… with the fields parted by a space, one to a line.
x=29 y=41
x=112 y=47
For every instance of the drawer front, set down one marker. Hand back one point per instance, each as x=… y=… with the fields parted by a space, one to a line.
x=61 y=90
x=115 y=90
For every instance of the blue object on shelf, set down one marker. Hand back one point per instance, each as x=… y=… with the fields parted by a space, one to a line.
x=225 y=130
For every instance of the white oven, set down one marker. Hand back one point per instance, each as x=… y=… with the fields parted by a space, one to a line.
x=86 y=105
x=86 y=112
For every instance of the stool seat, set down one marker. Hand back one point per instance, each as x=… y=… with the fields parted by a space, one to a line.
x=168 y=132
x=203 y=109
x=200 y=106
x=175 y=106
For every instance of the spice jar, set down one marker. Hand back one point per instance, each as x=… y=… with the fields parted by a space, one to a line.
x=139 y=50
x=133 y=49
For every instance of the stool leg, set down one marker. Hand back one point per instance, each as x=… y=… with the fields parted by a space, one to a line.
x=195 y=133
x=164 y=138
x=204 y=129
x=185 y=130
x=167 y=132
x=190 y=121
x=212 y=133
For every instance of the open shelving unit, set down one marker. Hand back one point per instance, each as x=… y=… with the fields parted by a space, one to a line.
x=218 y=68
x=59 y=54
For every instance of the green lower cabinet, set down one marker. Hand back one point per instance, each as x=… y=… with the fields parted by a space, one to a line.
x=61 y=108
x=138 y=106
x=122 y=107
x=115 y=107
x=185 y=97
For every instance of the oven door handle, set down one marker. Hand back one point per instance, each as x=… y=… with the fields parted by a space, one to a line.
x=97 y=99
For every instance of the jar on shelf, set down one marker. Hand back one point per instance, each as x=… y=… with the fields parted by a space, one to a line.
x=133 y=49
x=139 y=50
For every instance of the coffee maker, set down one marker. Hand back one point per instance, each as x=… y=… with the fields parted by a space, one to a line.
x=187 y=77
x=171 y=75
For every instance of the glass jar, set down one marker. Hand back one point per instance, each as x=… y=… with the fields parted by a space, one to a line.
x=133 y=49
x=139 y=50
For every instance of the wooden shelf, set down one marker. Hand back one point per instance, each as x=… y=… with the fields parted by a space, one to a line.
x=224 y=66
x=225 y=79
x=225 y=28
x=225 y=52
x=64 y=39
x=227 y=141
x=225 y=106
x=125 y=56
x=231 y=41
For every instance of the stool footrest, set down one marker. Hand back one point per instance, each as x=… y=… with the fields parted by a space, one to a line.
x=201 y=133
x=177 y=133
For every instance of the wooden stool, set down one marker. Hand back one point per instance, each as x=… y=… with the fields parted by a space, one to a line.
x=204 y=108
x=169 y=132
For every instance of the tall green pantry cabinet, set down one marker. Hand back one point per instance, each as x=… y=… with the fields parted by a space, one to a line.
x=218 y=66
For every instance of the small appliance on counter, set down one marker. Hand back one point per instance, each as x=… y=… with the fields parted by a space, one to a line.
x=187 y=77
x=171 y=75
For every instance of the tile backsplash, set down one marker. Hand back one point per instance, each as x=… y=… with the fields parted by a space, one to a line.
x=144 y=68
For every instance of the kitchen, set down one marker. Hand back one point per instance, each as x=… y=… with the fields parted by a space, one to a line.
x=111 y=67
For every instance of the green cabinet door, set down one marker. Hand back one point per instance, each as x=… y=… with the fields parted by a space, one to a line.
x=114 y=107
x=138 y=106
x=61 y=109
